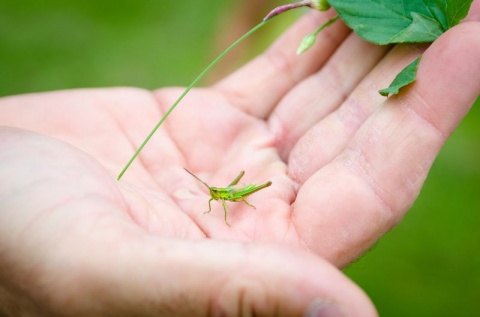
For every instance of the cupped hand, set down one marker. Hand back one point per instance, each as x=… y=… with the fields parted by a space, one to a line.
x=345 y=163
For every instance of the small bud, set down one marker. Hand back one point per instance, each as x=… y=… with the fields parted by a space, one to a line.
x=320 y=5
x=306 y=44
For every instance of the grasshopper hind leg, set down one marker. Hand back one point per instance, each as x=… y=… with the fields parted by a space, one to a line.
x=245 y=201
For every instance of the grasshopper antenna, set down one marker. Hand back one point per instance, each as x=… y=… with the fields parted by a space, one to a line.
x=197 y=178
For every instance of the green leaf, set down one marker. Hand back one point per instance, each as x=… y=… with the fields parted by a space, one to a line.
x=393 y=21
x=404 y=78
x=456 y=10
x=422 y=28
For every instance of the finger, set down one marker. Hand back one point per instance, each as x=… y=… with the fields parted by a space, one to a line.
x=474 y=13
x=333 y=133
x=257 y=87
x=323 y=92
x=368 y=188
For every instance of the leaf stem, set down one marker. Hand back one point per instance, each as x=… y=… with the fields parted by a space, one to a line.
x=193 y=83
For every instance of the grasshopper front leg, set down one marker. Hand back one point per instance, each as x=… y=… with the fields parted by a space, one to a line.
x=209 y=206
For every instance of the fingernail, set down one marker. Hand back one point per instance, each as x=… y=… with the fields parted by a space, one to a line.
x=322 y=308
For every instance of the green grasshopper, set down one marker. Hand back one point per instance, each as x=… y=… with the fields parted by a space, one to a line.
x=232 y=192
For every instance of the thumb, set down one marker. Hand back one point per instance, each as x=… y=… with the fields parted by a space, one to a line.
x=212 y=278
x=252 y=280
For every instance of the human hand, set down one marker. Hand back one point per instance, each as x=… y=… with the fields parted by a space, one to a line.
x=73 y=241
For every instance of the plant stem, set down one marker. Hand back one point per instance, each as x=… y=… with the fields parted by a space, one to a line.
x=326 y=24
x=194 y=82
x=287 y=7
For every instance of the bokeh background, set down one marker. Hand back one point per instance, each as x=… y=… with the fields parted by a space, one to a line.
x=428 y=266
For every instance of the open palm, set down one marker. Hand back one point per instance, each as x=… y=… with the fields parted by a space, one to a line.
x=345 y=164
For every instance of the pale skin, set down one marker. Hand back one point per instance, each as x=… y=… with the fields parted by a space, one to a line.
x=346 y=164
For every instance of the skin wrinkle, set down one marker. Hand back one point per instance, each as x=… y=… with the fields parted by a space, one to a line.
x=245 y=287
x=355 y=110
x=126 y=206
x=142 y=217
x=416 y=95
x=282 y=64
x=292 y=226
x=266 y=143
x=296 y=171
x=126 y=135
x=334 y=81
x=225 y=285
x=352 y=114
x=372 y=184
x=302 y=240
x=50 y=209
x=357 y=165
x=234 y=96
x=137 y=217
x=167 y=128
x=423 y=165
x=257 y=231
x=200 y=227
x=40 y=214
x=280 y=130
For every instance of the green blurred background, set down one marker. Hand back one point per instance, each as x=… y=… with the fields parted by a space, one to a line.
x=428 y=266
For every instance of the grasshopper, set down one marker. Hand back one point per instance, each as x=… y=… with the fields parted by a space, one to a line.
x=232 y=192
